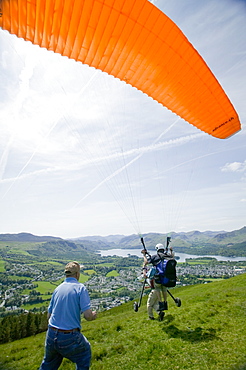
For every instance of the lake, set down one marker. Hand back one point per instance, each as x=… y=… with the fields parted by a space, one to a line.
x=182 y=256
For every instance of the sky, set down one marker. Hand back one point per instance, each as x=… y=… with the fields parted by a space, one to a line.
x=82 y=153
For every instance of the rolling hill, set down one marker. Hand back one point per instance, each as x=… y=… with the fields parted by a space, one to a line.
x=26 y=237
x=194 y=242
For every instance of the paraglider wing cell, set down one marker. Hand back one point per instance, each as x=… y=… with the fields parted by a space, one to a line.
x=133 y=41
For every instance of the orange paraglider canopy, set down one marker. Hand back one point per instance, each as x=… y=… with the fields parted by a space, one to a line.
x=133 y=41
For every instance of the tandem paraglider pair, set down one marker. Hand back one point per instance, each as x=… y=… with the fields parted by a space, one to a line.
x=160 y=277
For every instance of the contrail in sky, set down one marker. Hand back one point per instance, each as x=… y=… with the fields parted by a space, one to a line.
x=25 y=77
x=142 y=152
x=25 y=84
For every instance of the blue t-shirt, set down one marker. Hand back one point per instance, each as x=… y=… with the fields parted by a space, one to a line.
x=68 y=301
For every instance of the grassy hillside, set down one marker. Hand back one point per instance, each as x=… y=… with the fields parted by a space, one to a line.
x=208 y=332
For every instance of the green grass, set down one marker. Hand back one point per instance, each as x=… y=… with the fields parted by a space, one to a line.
x=112 y=273
x=83 y=278
x=35 y=305
x=2 y=268
x=90 y=272
x=207 y=332
x=45 y=287
x=200 y=261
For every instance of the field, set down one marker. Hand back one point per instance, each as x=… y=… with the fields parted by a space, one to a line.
x=200 y=261
x=112 y=273
x=90 y=272
x=2 y=269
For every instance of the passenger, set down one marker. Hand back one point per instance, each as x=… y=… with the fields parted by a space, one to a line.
x=154 y=260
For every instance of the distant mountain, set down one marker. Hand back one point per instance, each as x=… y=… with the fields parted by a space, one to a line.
x=193 y=242
x=237 y=236
x=105 y=239
x=26 y=237
x=151 y=239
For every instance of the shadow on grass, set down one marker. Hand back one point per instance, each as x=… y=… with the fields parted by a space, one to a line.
x=192 y=335
x=4 y=367
x=169 y=318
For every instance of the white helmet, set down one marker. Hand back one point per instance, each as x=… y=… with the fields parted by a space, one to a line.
x=159 y=246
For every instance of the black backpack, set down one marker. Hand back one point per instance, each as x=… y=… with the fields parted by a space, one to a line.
x=166 y=272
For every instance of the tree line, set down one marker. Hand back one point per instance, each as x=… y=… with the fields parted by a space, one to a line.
x=21 y=326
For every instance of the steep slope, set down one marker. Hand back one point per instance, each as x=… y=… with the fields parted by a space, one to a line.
x=236 y=236
x=208 y=331
x=63 y=249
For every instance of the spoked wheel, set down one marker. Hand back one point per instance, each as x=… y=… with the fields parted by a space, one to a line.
x=135 y=306
x=178 y=302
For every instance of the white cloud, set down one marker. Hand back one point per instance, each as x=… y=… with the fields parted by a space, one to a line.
x=234 y=167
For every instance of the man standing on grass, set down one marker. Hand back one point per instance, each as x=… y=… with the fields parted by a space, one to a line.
x=63 y=338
